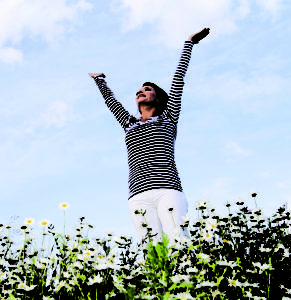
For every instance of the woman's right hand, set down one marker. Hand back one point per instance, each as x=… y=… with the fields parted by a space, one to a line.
x=198 y=36
x=93 y=75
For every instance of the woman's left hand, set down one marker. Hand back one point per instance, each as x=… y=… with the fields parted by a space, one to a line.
x=198 y=36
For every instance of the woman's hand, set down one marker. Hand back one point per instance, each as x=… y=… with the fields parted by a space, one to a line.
x=198 y=36
x=93 y=75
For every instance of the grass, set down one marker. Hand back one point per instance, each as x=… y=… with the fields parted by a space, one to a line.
x=239 y=256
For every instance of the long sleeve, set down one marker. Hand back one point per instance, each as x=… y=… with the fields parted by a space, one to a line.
x=119 y=112
x=174 y=103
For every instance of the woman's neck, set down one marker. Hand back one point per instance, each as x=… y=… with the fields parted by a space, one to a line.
x=147 y=113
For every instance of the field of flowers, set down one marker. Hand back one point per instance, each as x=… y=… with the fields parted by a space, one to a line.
x=239 y=256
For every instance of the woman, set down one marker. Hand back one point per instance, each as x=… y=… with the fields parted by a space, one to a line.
x=154 y=183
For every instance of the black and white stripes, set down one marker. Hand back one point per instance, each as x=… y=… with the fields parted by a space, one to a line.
x=150 y=145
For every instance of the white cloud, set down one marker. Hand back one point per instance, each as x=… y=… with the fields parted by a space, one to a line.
x=253 y=94
x=273 y=6
x=176 y=19
x=286 y=184
x=58 y=115
x=233 y=148
x=10 y=55
x=22 y=19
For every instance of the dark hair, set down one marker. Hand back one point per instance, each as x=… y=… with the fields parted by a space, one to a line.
x=161 y=95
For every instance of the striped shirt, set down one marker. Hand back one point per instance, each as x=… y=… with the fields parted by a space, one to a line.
x=150 y=145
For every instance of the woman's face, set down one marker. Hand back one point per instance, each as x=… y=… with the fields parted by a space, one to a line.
x=145 y=94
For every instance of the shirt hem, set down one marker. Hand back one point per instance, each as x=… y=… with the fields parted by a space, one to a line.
x=149 y=189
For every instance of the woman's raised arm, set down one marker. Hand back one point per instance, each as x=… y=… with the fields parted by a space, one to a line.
x=175 y=94
x=119 y=112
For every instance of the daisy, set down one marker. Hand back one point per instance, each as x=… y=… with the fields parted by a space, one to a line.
x=230 y=264
x=207 y=236
x=95 y=279
x=184 y=296
x=233 y=282
x=202 y=204
x=44 y=223
x=179 y=278
x=204 y=257
x=211 y=224
x=64 y=205
x=60 y=285
x=29 y=221
x=205 y=283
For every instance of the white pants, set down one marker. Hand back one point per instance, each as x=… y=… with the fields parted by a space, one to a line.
x=157 y=202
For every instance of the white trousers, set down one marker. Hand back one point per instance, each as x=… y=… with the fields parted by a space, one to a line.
x=157 y=202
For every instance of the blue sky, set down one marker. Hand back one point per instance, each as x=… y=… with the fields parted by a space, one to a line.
x=60 y=143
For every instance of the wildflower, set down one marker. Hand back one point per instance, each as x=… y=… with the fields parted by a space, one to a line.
x=280 y=246
x=207 y=236
x=78 y=265
x=29 y=288
x=44 y=260
x=44 y=223
x=247 y=284
x=179 y=278
x=202 y=204
x=211 y=224
x=230 y=264
x=192 y=270
x=82 y=257
x=2 y=275
x=64 y=205
x=262 y=267
x=66 y=275
x=148 y=297
x=40 y=265
x=265 y=249
x=237 y=235
x=184 y=296
x=29 y=221
x=288 y=291
x=286 y=253
x=95 y=279
x=248 y=294
x=233 y=282
x=204 y=257
x=205 y=283
x=21 y=286
x=60 y=285
x=185 y=262
x=118 y=283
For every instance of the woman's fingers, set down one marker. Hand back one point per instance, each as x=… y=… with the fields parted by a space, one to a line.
x=96 y=74
x=198 y=36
